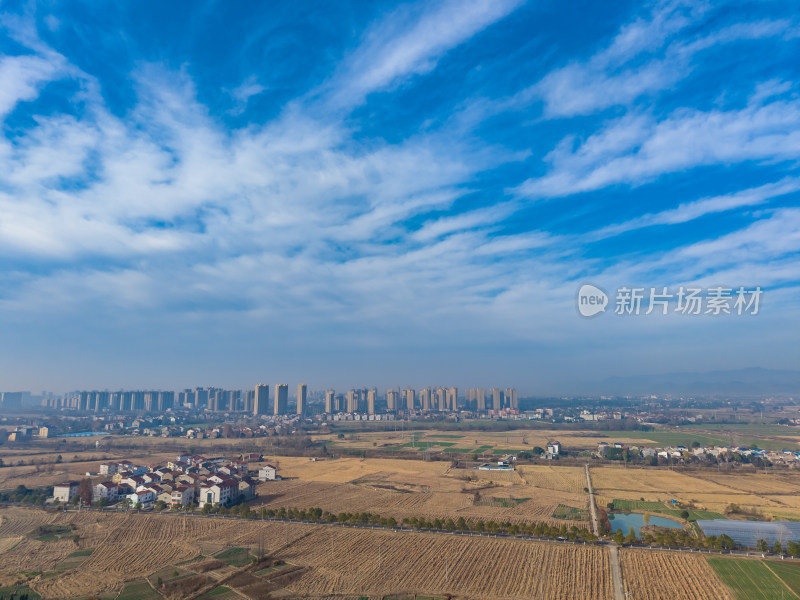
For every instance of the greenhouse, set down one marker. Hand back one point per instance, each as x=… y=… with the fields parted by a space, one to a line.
x=748 y=533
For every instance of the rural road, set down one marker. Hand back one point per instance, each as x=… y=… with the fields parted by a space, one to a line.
x=616 y=575
x=592 y=508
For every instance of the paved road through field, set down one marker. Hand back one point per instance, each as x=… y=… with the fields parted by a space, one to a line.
x=592 y=508
x=616 y=575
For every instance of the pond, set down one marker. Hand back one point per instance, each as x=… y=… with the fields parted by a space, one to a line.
x=625 y=521
x=84 y=434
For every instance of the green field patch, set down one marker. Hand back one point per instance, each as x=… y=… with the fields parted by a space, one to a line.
x=477 y=450
x=501 y=502
x=789 y=572
x=138 y=590
x=74 y=560
x=418 y=445
x=446 y=436
x=21 y=591
x=236 y=557
x=51 y=533
x=570 y=513
x=50 y=574
x=750 y=579
x=425 y=445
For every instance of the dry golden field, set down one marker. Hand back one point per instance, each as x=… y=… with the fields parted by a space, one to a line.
x=409 y=488
x=351 y=561
x=670 y=576
x=342 y=561
x=774 y=494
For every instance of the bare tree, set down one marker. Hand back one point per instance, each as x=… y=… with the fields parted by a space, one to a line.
x=85 y=490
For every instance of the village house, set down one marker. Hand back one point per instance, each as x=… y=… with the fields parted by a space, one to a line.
x=108 y=469
x=144 y=497
x=247 y=488
x=183 y=494
x=64 y=492
x=223 y=493
x=106 y=490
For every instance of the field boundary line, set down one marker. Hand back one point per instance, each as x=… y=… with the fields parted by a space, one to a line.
x=791 y=591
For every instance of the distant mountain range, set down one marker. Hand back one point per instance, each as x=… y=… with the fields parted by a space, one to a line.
x=739 y=382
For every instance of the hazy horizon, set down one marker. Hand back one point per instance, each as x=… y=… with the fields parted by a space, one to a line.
x=334 y=194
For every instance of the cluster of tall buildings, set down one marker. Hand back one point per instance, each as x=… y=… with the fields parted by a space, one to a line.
x=259 y=401
x=426 y=400
x=496 y=399
x=133 y=401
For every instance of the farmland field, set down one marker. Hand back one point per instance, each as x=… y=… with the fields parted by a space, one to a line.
x=751 y=579
x=775 y=495
x=670 y=576
x=130 y=549
x=789 y=572
x=375 y=563
x=410 y=488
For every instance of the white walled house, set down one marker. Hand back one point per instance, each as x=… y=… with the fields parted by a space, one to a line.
x=144 y=497
x=183 y=495
x=108 y=469
x=267 y=473
x=64 y=492
x=219 y=493
x=106 y=490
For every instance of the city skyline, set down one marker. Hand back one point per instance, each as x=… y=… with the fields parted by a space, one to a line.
x=412 y=191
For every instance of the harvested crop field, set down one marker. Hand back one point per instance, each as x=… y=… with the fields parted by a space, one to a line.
x=405 y=488
x=774 y=494
x=352 y=561
x=670 y=576
x=322 y=559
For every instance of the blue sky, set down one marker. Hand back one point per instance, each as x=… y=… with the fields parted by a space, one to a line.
x=224 y=193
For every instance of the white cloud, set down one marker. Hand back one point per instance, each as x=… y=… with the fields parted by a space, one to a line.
x=636 y=149
x=646 y=56
x=696 y=209
x=242 y=94
x=407 y=44
x=23 y=77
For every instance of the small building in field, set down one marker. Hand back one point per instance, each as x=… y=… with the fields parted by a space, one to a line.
x=267 y=473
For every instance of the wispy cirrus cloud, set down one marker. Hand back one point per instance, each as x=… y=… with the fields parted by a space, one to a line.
x=647 y=56
x=689 y=211
x=638 y=148
x=410 y=42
